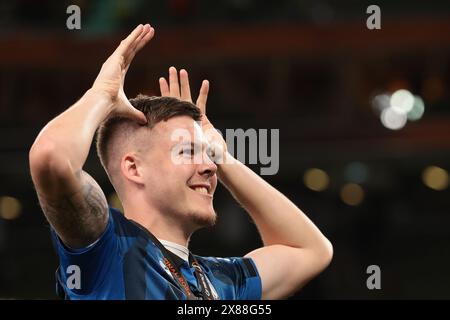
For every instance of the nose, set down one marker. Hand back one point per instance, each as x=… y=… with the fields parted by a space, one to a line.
x=207 y=167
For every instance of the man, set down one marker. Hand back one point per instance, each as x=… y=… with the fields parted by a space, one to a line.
x=166 y=195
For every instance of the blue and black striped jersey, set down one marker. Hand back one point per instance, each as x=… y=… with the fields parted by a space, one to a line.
x=125 y=264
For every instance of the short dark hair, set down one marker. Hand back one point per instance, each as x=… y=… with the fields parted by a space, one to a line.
x=155 y=109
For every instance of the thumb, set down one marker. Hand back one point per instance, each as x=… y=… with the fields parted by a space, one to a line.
x=134 y=114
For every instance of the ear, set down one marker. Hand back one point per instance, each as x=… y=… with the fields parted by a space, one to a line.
x=130 y=167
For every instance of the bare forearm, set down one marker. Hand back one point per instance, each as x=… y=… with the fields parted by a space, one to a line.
x=72 y=201
x=278 y=220
x=71 y=133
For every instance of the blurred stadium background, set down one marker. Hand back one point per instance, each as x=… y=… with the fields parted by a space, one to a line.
x=364 y=119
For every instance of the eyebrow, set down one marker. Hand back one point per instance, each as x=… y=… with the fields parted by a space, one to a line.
x=193 y=145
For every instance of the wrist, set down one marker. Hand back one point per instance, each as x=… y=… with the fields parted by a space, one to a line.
x=98 y=96
x=99 y=100
x=227 y=163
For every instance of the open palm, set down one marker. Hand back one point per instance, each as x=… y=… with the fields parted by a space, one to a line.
x=110 y=80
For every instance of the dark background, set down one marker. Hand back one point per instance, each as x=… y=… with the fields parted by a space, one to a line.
x=308 y=68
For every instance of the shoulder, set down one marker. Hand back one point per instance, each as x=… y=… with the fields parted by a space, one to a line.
x=232 y=266
x=235 y=277
x=132 y=238
x=122 y=225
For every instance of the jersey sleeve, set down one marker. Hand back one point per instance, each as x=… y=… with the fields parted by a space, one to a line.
x=251 y=288
x=83 y=270
x=246 y=280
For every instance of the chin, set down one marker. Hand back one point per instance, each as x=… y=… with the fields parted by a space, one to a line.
x=204 y=218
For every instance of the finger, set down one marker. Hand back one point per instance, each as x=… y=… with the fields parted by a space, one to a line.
x=133 y=45
x=185 y=90
x=164 y=87
x=173 y=83
x=203 y=96
x=142 y=39
x=126 y=43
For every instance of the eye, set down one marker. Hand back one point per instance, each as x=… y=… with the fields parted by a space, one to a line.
x=211 y=152
x=187 y=151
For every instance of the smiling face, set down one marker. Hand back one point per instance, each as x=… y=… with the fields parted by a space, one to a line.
x=179 y=177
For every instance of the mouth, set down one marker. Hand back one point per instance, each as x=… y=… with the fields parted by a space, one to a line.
x=203 y=189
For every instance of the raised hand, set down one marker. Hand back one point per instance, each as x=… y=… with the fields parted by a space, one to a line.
x=180 y=89
x=110 y=80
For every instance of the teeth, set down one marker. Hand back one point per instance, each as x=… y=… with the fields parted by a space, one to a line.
x=202 y=190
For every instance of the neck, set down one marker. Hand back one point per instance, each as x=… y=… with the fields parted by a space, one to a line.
x=160 y=226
